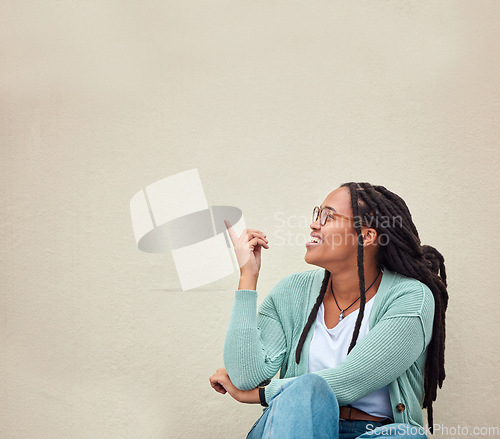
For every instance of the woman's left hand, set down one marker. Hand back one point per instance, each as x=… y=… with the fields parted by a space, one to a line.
x=221 y=382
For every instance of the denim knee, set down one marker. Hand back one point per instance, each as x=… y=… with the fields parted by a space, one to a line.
x=314 y=384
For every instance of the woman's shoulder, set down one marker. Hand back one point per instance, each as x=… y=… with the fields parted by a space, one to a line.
x=402 y=283
x=407 y=294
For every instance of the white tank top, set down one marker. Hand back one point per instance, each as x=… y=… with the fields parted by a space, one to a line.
x=329 y=348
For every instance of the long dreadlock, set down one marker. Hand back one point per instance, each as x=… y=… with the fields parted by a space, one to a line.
x=403 y=254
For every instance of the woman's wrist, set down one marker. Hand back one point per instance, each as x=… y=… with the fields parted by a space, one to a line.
x=248 y=282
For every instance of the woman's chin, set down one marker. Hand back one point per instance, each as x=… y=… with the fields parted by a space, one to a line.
x=309 y=258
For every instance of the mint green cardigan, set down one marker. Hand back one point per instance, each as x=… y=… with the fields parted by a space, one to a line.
x=392 y=354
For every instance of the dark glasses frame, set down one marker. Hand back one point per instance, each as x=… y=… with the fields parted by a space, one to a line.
x=317 y=211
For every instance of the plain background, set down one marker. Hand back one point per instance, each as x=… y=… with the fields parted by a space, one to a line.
x=276 y=103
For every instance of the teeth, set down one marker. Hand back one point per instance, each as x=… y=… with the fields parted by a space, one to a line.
x=314 y=239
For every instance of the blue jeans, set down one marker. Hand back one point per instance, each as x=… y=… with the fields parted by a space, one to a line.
x=307 y=408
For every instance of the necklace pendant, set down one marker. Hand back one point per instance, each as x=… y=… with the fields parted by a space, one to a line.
x=341 y=316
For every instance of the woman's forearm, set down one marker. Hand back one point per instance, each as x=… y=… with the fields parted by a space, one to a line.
x=254 y=346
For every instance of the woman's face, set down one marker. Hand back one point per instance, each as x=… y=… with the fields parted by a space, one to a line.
x=338 y=237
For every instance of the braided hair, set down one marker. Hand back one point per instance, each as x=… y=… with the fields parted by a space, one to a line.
x=402 y=254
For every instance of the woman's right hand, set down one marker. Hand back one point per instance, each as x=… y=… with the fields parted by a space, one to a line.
x=247 y=248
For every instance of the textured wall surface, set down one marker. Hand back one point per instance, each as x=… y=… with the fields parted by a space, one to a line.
x=276 y=103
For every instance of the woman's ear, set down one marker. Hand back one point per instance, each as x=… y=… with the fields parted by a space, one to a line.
x=369 y=236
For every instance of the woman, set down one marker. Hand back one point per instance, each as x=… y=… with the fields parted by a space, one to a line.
x=359 y=342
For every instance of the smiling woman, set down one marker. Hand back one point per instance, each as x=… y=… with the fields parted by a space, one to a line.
x=370 y=354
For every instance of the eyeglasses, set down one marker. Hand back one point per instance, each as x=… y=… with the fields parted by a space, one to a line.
x=325 y=213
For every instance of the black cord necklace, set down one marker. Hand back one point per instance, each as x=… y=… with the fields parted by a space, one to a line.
x=341 y=316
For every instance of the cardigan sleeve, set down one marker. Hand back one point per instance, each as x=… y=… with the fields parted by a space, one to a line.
x=255 y=345
x=384 y=354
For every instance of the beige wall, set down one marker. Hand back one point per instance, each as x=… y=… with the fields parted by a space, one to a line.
x=276 y=103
